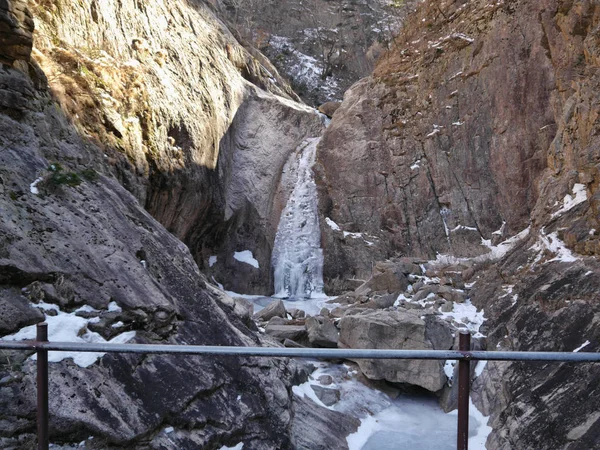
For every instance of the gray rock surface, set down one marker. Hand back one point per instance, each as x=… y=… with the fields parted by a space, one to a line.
x=16 y=31
x=195 y=126
x=274 y=309
x=318 y=428
x=329 y=396
x=400 y=329
x=282 y=332
x=321 y=332
x=96 y=125
x=16 y=312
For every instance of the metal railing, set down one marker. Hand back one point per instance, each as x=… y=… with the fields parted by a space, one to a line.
x=464 y=356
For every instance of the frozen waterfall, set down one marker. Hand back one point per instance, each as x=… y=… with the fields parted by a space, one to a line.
x=297 y=255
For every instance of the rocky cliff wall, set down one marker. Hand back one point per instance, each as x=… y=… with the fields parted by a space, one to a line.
x=118 y=96
x=187 y=117
x=480 y=124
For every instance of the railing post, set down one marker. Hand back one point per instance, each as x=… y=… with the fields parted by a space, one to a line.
x=42 y=388
x=464 y=384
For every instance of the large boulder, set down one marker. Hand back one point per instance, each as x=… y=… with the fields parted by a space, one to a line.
x=274 y=309
x=321 y=332
x=401 y=330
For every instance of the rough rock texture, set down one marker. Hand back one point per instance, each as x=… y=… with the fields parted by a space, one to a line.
x=75 y=165
x=321 y=46
x=196 y=127
x=16 y=30
x=274 y=309
x=395 y=330
x=323 y=430
x=481 y=122
x=444 y=142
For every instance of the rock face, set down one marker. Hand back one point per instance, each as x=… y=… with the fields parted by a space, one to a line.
x=86 y=127
x=16 y=31
x=196 y=127
x=321 y=46
x=396 y=330
x=480 y=124
x=438 y=149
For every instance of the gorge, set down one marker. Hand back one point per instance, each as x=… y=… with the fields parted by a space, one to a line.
x=150 y=152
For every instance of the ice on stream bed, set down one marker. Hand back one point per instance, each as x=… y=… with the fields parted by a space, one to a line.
x=415 y=421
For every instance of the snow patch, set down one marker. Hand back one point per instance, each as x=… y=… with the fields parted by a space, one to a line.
x=247 y=257
x=239 y=446
x=212 y=260
x=334 y=226
x=585 y=344
x=33 y=188
x=466 y=314
x=69 y=327
x=570 y=201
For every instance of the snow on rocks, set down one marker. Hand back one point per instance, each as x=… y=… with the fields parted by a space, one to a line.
x=579 y=195
x=69 y=327
x=245 y=256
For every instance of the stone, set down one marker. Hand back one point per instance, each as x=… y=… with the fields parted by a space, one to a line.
x=325 y=380
x=452 y=295
x=328 y=396
x=274 y=309
x=385 y=301
x=296 y=313
x=282 y=332
x=388 y=280
x=16 y=31
x=329 y=108
x=322 y=333
x=400 y=329
x=426 y=291
x=277 y=321
x=291 y=344
x=319 y=428
x=16 y=312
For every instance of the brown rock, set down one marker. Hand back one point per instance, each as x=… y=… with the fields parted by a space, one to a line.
x=329 y=108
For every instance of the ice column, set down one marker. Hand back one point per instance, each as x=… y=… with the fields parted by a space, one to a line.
x=297 y=258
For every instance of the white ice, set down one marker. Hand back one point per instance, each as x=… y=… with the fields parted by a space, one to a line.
x=466 y=314
x=585 y=344
x=297 y=258
x=33 y=186
x=239 y=446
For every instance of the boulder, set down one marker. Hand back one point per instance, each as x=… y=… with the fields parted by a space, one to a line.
x=452 y=295
x=321 y=333
x=318 y=428
x=274 y=309
x=16 y=312
x=283 y=332
x=400 y=329
x=328 y=396
x=329 y=108
x=385 y=279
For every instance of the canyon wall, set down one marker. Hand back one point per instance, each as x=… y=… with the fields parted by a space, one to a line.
x=108 y=107
x=480 y=124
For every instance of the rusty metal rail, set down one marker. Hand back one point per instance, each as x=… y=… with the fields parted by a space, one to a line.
x=463 y=355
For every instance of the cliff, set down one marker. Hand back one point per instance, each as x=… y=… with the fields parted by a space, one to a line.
x=481 y=124
x=122 y=122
